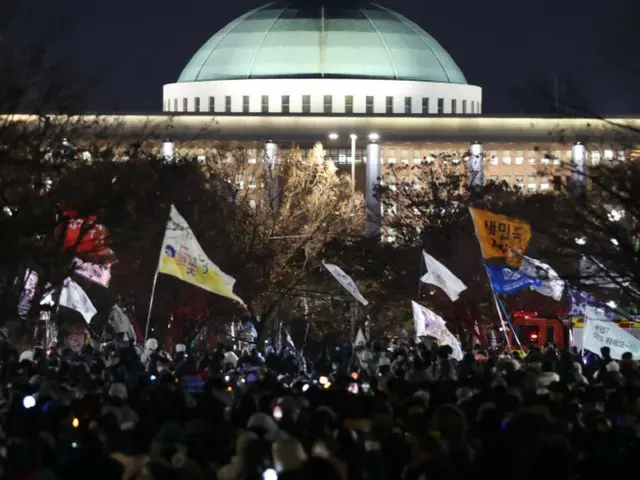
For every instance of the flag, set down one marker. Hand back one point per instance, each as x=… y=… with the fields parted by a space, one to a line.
x=581 y=303
x=346 y=281
x=72 y=296
x=120 y=322
x=500 y=236
x=182 y=257
x=598 y=334
x=97 y=273
x=552 y=285
x=506 y=281
x=440 y=276
x=429 y=324
x=360 y=338
x=28 y=291
x=289 y=340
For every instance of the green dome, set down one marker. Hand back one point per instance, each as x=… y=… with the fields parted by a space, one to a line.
x=287 y=39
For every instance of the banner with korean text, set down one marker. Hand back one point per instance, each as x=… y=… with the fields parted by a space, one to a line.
x=501 y=237
x=598 y=334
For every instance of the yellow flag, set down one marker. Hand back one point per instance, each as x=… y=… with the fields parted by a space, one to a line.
x=183 y=257
x=500 y=236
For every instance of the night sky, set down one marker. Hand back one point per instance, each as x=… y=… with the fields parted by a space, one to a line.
x=505 y=46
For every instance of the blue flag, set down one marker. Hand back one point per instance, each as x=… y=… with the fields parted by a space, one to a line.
x=506 y=280
x=580 y=301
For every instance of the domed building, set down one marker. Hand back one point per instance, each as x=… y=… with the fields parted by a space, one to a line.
x=313 y=58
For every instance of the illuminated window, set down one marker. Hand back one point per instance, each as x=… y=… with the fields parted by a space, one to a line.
x=595 y=158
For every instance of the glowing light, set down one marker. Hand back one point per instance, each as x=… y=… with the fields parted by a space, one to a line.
x=374 y=137
x=75 y=423
x=334 y=136
x=29 y=402
x=581 y=241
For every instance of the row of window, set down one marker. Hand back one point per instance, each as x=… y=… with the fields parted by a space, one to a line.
x=463 y=107
x=556 y=159
x=508 y=157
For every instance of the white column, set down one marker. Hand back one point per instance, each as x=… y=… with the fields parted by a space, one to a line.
x=168 y=151
x=475 y=167
x=354 y=137
x=373 y=172
x=579 y=169
x=271 y=163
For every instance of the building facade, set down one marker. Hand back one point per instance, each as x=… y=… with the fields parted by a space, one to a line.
x=379 y=92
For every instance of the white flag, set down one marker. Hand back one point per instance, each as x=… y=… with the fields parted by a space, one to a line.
x=440 y=276
x=346 y=281
x=183 y=257
x=72 y=296
x=552 y=285
x=121 y=322
x=360 y=338
x=598 y=334
x=429 y=324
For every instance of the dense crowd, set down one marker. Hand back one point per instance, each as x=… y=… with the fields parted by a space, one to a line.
x=387 y=410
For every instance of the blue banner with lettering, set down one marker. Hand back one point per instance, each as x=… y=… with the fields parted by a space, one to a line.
x=506 y=280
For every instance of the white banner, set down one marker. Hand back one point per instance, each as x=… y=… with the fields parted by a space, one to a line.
x=94 y=272
x=429 y=324
x=440 y=276
x=346 y=281
x=598 y=334
x=73 y=296
x=120 y=321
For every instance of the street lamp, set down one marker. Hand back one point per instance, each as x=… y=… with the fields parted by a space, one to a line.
x=353 y=137
x=374 y=137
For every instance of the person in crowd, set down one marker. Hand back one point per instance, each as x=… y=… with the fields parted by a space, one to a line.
x=385 y=410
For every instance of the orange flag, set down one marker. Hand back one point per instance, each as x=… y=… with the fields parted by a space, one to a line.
x=500 y=236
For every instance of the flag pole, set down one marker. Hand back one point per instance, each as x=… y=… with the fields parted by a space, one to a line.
x=506 y=315
x=495 y=301
x=153 y=293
